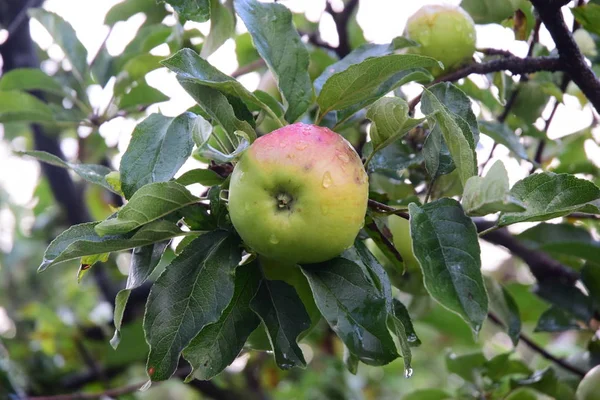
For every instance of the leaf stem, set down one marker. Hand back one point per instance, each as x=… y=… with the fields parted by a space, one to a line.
x=489 y=230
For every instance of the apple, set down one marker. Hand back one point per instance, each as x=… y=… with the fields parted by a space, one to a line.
x=299 y=194
x=589 y=387
x=530 y=101
x=443 y=32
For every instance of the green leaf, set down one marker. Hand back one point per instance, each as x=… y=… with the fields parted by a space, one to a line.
x=392 y=160
x=562 y=240
x=488 y=11
x=556 y=319
x=446 y=245
x=190 y=67
x=244 y=49
x=427 y=394
x=192 y=10
x=504 y=307
x=588 y=16
x=456 y=132
x=503 y=135
x=502 y=365
x=95 y=174
x=190 y=294
x=544 y=381
x=590 y=276
x=360 y=83
x=205 y=177
x=283 y=314
x=396 y=324
x=218 y=344
x=128 y=8
x=149 y=203
x=389 y=122
x=217 y=106
x=467 y=366
x=64 y=36
x=27 y=79
x=547 y=195
x=351 y=361
x=134 y=70
x=82 y=240
x=280 y=46
x=143 y=262
x=222 y=27
x=488 y=195
x=567 y=297
x=158 y=148
x=20 y=106
x=354 y=308
x=401 y=313
x=140 y=96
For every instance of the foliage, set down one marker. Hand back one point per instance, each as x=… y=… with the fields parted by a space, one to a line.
x=196 y=294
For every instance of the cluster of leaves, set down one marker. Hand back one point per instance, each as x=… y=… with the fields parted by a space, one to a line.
x=213 y=298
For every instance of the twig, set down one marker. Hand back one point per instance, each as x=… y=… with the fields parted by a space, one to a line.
x=583 y=216
x=385 y=209
x=535 y=347
x=21 y=16
x=515 y=65
x=496 y=52
x=87 y=396
x=384 y=239
x=573 y=61
x=541 y=265
x=341 y=20
x=246 y=69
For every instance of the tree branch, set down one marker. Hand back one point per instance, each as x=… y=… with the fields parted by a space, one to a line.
x=541 y=265
x=540 y=350
x=515 y=65
x=573 y=61
x=341 y=20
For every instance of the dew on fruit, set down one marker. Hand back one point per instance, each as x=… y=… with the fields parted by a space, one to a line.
x=408 y=372
x=274 y=239
x=344 y=157
x=301 y=145
x=247 y=207
x=327 y=180
x=306 y=130
x=282 y=144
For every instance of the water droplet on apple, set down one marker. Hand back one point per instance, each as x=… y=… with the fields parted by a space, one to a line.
x=408 y=372
x=306 y=130
x=273 y=239
x=282 y=144
x=301 y=145
x=247 y=207
x=291 y=156
x=327 y=180
x=344 y=157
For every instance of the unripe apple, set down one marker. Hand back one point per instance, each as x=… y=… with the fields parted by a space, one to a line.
x=445 y=33
x=589 y=387
x=299 y=194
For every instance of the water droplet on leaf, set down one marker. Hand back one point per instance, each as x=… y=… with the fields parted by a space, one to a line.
x=408 y=372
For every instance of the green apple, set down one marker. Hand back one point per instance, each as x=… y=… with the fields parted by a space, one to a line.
x=530 y=101
x=445 y=33
x=299 y=195
x=589 y=387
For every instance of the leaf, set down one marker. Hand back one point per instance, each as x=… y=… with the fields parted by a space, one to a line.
x=354 y=308
x=192 y=10
x=503 y=305
x=556 y=319
x=222 y=27
x=488 y=195
x=128 y=8
x=446 y=245
x=547 y=195
x=190 y=294
x=143 y=262
x=590 y=276
x=82 y=240
x=401 y=313
x=458 y=103
x=283 y=314
x=205 y=177
x=64 y=36
x=158 y=148
x=27 y=79
x=457 y=134
x=503 y=135
x=217 y=106
x=141 y=95
x=360 y=54
x=19 y=106
x=361 y=82
x=218 y=344
x=588 y=16
x=488 y=11
x=392 y=160
x=566 y=296
x=190 y=67
x=467 y=366
x=396 y=322
x=280 y=46
x=149 y=203
x=562 y=240
x=427 y=394
x=95 y=174
x=389 y=122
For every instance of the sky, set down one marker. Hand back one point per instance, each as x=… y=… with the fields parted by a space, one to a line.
x=381 y=20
